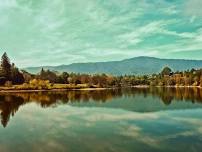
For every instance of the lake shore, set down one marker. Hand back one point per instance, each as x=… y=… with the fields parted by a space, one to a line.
x=13 y=89
x=49 y=90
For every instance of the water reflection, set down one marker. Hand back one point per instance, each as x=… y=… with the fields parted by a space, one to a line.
x=11 y=102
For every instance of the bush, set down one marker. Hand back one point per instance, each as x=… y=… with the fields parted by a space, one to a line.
x=2 y=80
x=153 y=83
x=195 y=84
x=8 y=84
x=40 y=84
x=161 y=84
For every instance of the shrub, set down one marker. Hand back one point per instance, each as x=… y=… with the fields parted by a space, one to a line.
x=195 y=83
x=25 y=86
x=8 y=84
x=2 y=80
x=153 y=83
x=40 y=84
x=160 y=84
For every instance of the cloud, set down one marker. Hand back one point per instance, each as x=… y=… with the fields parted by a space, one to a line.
x=8 y=3
x=120 y=117
x=140 y=33
x=193 y=8
x=172 y=10
x=36 y=32
x=189 y=42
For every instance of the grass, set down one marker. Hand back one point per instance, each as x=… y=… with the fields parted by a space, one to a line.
x=46 y=87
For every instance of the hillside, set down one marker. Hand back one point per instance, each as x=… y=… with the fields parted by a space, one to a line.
x=137 y=65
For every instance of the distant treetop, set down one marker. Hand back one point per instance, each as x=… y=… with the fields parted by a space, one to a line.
x=166 y=71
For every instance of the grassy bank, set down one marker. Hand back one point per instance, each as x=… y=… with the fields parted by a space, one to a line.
x=65 y=87
x=46 y=87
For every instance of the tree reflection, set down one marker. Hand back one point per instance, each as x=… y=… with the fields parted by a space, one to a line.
x=9 y=105
x=10 y=102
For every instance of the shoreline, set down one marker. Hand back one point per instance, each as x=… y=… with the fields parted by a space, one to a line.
x=12 y=90
x=49 y=90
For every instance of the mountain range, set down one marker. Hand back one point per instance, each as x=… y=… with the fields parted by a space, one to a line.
x=137 y=65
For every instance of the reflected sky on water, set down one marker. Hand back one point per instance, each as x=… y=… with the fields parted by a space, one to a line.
x=147 y=119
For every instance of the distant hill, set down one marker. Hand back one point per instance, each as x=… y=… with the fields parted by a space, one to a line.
x=138 y=66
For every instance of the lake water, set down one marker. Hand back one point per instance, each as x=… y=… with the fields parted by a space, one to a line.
x=128 y=120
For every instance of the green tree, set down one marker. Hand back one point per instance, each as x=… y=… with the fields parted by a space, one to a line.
x=16 y=76
x=166 y=71
x=47 y=75
x=6 y=66
x=62 y=78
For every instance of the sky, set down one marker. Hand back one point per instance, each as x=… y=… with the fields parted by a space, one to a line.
x=44 y=32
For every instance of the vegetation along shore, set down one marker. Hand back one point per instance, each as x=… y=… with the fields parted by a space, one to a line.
x=14 y=79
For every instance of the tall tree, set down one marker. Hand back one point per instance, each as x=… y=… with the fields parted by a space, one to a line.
x=16 y=76
x=47 y=75
x=6 y=66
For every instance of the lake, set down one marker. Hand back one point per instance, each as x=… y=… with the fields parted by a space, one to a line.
x=114 y=120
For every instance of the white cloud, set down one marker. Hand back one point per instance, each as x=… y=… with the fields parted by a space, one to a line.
x=172 y=10
x=139 y=33
x=8 y=3
x=192 y=19
x=193 y=8
x=155 y=27
x=96 y=30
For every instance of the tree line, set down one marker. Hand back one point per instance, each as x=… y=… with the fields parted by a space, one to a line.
x=10 y=73
x=166 y=77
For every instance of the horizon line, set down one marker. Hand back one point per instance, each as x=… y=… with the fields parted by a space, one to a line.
x=113 y=61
